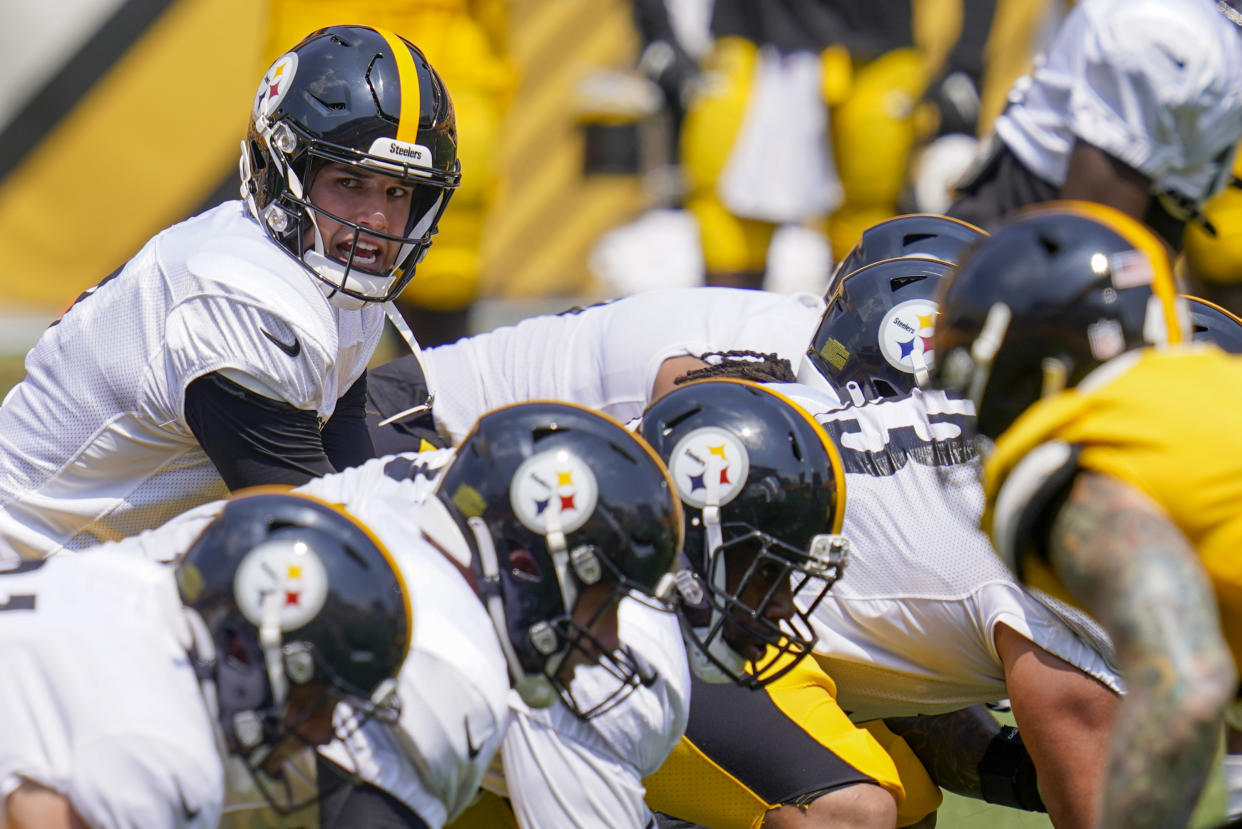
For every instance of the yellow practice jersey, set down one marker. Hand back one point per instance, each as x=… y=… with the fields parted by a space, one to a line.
x=1169 y=423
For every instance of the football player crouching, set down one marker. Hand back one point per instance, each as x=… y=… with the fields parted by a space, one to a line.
x=135 y=695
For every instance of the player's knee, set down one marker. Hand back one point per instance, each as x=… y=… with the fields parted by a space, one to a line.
x=860 y=806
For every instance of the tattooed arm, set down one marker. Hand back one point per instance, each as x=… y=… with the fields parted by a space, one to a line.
x=1122 y=557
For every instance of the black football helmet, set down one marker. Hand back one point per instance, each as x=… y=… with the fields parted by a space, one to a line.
x=556 y=500
x=1048 y=298
x=359 y=96
x=876 y=328
x=290 y=593
x=1211 y=323
x=764 y=494
x=929 y=235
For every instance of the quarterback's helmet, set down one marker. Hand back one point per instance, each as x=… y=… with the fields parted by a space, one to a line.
x=558 y=501
x=876 y=328
x=764 y=494
x=1211 y=323
x=915 y=234
x=358 y=96
x=292 y=595
x=1049 y=297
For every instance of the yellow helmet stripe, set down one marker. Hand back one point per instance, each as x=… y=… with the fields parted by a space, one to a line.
x=411 y=103
x=1144 y=240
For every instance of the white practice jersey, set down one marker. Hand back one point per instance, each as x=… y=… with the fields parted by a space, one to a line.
x=98 y=699
x=909 y=629
x=94 y=445
x=606 y=357
x=1157 y=84
x=454 y=684
x=562 y=773
x=559 y=770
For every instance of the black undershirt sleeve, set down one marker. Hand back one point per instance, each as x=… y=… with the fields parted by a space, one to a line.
x=252 y=439
x=346 y=438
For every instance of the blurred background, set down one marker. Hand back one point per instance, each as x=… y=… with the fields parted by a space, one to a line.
x=588 y=129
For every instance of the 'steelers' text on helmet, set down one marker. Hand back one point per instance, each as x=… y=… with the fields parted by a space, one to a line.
x=876 y=329
x=292 y=592
x=358 y=96
x=557 y=500
x=764 y=494
x=1052 y=295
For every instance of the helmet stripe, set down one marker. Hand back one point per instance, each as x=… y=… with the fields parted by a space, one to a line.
x=407 y=72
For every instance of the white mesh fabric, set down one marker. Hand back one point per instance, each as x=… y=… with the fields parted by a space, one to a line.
x=910 y=627
x=94 y=445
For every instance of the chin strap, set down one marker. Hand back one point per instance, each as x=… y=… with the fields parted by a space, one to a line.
x=715 y=665
x=403 y=328
x=203 y=658
x=535 y=691
x=270 y=640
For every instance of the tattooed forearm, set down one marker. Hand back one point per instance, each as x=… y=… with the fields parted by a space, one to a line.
x=1123 y=558
x=950 y=746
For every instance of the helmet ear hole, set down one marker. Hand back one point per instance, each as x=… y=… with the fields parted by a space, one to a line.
x=884 y=389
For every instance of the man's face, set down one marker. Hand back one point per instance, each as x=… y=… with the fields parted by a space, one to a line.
x=372 y=201
x=596 y=611
x=766 y=589
x=308 y=715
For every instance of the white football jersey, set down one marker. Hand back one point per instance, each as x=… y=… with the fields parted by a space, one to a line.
x=1156 y=84
x=606 y=357
x=562 y=773
x=910 y=627
x=94 y=445
x=98 y=699
x=559 y=770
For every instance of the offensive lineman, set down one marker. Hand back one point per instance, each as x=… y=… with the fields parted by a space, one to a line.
x=515 y=589
x=563 y=356
x=133 y=695
x=231 y=350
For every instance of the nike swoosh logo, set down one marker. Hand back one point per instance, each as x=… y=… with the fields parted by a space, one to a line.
x=472 y=750
x=293 y=349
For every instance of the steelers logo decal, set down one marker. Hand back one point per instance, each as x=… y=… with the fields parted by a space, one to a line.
x=553 y=489
x=275 y=84
x=286 y=575
x=906 y=332
x=706 y=461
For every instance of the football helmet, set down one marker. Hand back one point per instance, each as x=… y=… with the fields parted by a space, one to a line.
x=1211 y=323
x=877 y=325
x=764 y=494
x=556 y=501
x=358 y=96
x=914 y=234
x=1048 y=298
x=290 y=595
